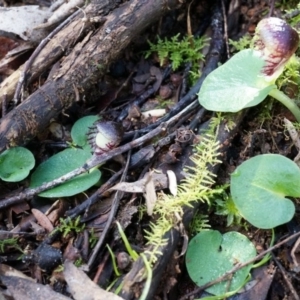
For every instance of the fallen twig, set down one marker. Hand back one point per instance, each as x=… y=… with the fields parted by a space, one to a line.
x=114 y=207
x=91 y=163
x=286 y=278
x=95 y=161
x=74 y=212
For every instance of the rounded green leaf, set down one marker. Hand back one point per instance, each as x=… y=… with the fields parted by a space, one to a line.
x=74 y=186
x=235 y=85
x=210 y=255
x=80 y=129
x=259 y=187
x=59 y=165
x=15 y=164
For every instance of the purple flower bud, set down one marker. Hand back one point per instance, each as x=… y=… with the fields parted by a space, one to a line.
x=104 y=136
x=277 y=41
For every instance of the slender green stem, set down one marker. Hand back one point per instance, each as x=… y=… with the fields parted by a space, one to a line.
x=130 y=251
x=268 y=256
x=113 y=261
x=287 y=102
x=149 y=277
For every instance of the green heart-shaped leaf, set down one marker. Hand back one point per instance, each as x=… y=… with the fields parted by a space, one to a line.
x=80 y=129
x=59 y=165
x=259 y=187
x=237 y=84
x=15 y=164
x=210 y=255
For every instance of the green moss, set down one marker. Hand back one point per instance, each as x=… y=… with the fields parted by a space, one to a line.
x=180 y=51
x=197 y=186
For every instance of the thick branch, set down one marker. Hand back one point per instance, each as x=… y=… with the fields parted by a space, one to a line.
x=80 y=71
x=56 y=47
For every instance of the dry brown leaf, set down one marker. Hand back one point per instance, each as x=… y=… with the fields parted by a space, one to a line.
x=57 y=210
x=145 y=185
x=150 y=194
x=160 y=182
x=130 y=187
x=20 y=207
x=42 y=219
x=295 y=138
x=82 y=287
x=20 y=288
x=22 y=19
x=10 y=271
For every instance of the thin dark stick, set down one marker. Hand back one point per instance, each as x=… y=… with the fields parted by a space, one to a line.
x=197 y=118
x=36 y=52
x=94 y=161
x=271 y=11
x=225 y=29
x=239 y=266
x=91 y=163
x=112 y=213
x=73 y=213
x=287 y=280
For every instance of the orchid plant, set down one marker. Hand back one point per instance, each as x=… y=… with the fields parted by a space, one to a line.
x=250 y=75
x=244 y=81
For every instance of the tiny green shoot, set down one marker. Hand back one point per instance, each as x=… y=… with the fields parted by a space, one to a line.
x=199 y=223
x=9 y=242
x=130 y=251
x=78 y=262
x=68 y=225
x=113 y=258
x=149 y=277
x=268 y=256
x=226 y=207
x=92 y=238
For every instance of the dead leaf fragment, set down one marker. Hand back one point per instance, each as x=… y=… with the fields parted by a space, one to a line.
x=295 y=138
x=24 y=289
x=146 y=186
x=61 y=12
x=21 y=20
x=42 y=219
x=10 y=271
x=150 y=194
x=139 y=186
x=82 y=288
x=130 y=187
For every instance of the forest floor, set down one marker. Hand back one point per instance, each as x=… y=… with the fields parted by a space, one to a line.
x=145 y=104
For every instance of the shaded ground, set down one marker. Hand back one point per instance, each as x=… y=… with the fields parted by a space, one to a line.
x=131 y=85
